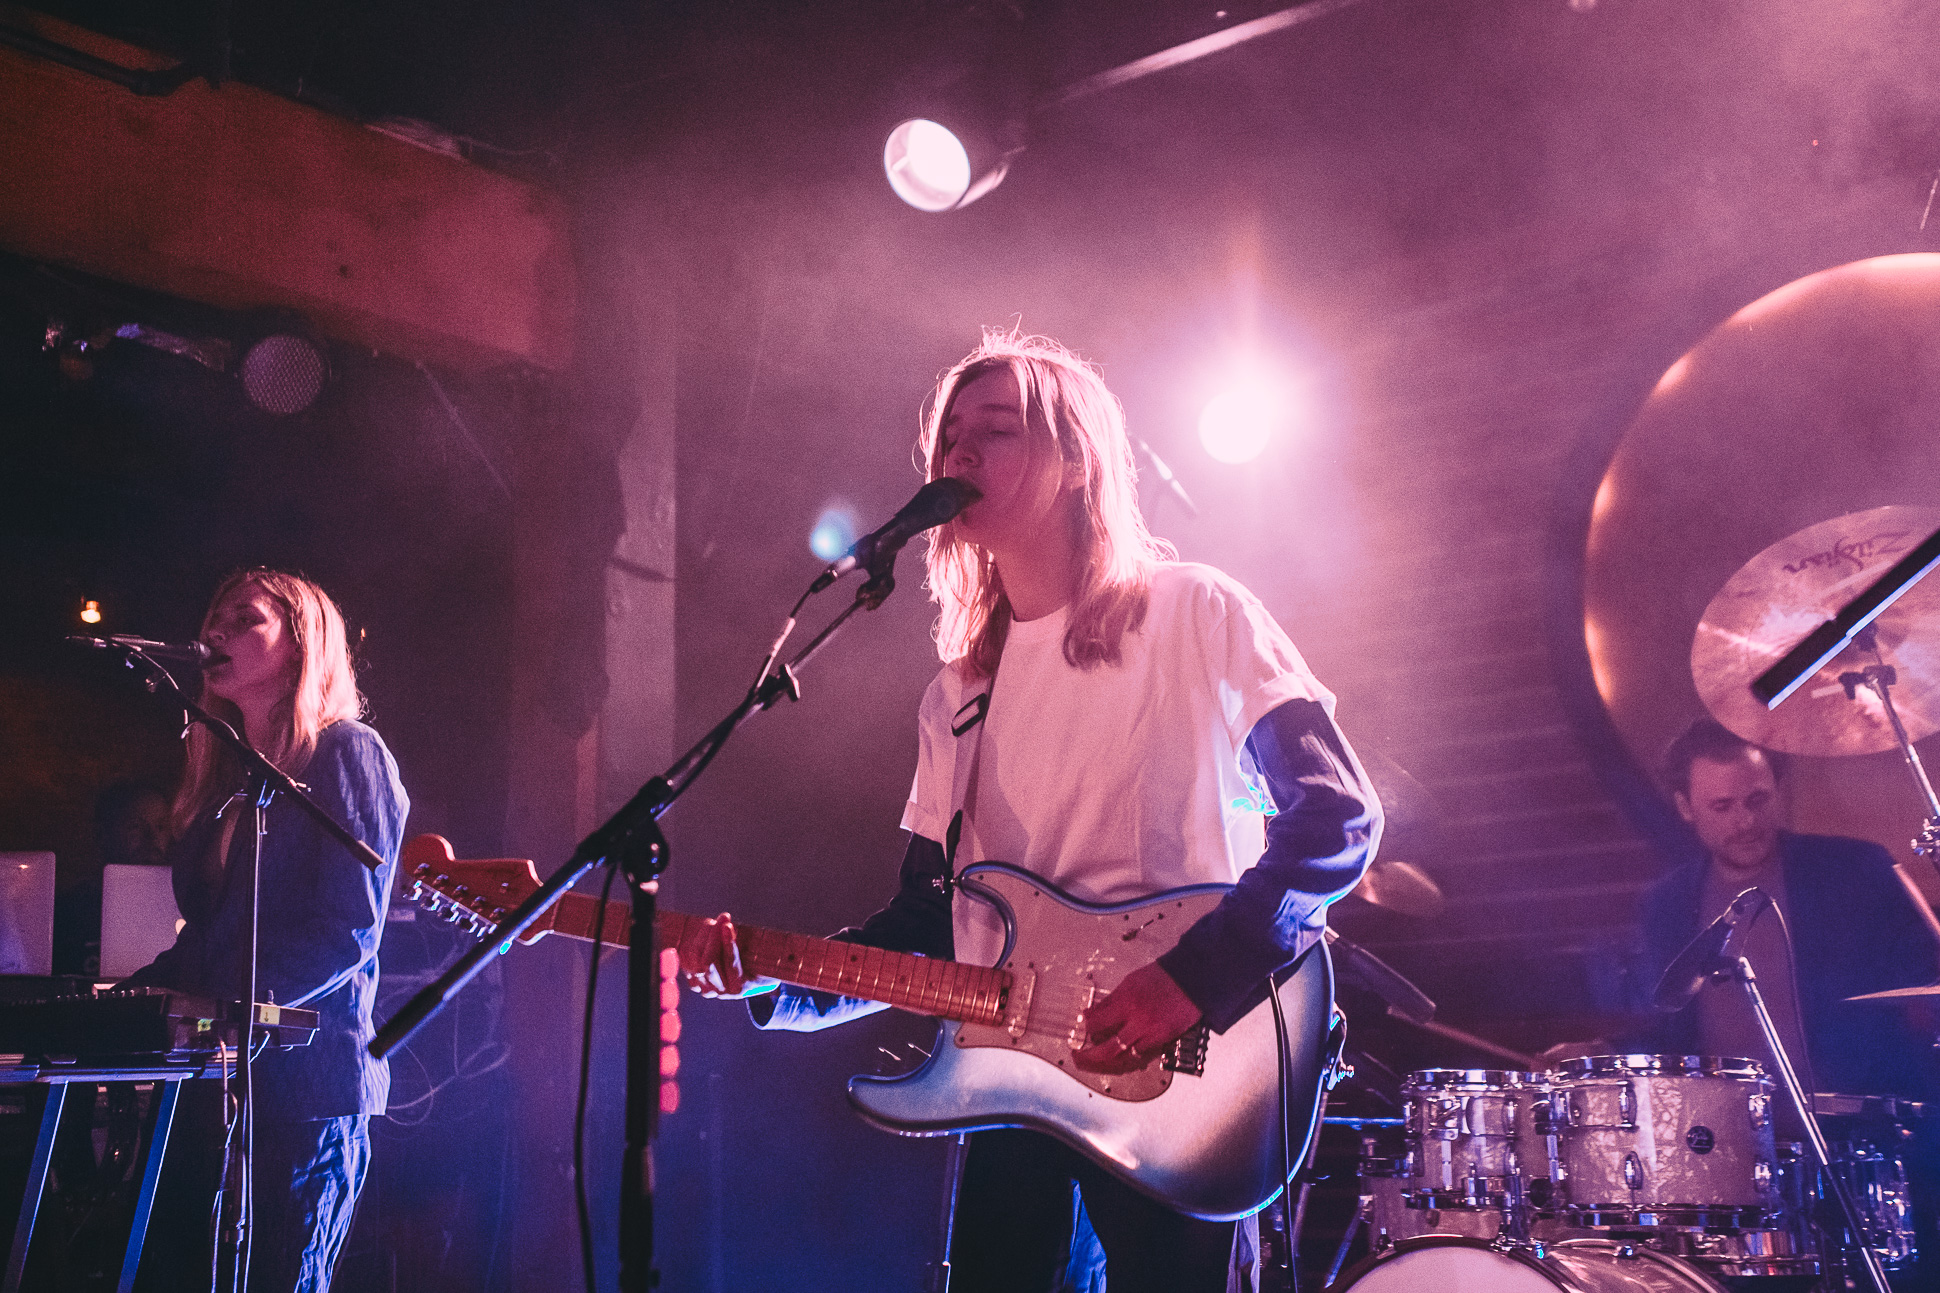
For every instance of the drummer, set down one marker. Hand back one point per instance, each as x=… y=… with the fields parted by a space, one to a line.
x=1853 y=928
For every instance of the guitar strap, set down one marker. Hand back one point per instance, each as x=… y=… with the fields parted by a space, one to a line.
x=967 y=728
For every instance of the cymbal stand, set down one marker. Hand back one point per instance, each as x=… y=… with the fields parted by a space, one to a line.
x=1821 y=1154
x=1880 y=677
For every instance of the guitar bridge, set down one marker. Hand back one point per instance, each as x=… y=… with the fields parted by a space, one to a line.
x=1188 y=1054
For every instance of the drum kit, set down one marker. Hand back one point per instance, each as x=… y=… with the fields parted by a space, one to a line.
x=1669 y=1173
x=1622 y=1172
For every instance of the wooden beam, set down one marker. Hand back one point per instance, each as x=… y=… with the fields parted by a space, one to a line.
x=241 y=199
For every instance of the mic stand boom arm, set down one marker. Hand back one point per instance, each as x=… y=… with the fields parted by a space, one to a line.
x=632 y=838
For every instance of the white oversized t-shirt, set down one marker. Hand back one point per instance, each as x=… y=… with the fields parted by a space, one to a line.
x=1119 y=781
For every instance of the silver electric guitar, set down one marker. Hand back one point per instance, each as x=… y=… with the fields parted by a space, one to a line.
x=1200 y=1128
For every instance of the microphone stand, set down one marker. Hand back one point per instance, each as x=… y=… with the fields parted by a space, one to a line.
x=266 y=781
x=632 y=839
x=1875 y=1272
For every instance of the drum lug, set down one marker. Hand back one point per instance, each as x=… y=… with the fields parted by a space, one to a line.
x=1633 y=1171
x=1627 y=1107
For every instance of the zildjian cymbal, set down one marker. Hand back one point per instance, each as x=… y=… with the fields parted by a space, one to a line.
x=1895 y=994
x=1791 y=588
x=1400 y=887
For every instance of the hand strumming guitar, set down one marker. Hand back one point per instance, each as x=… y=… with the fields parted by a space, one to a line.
x=1141 y=1017
x=710 y=961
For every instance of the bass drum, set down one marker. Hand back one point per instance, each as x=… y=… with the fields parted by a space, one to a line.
x=1444 y=1264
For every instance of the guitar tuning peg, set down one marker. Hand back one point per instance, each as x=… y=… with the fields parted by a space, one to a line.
x=422 y=869
x=416 y=890
x=433 y=902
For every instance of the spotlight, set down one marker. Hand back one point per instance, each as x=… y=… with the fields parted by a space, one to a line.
x=90 y=612
x=935 y=168
x=1236 y=423
x=283 y=373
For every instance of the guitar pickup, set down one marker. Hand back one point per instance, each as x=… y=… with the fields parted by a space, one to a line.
x=1188 y=1054
x=1017 y=1005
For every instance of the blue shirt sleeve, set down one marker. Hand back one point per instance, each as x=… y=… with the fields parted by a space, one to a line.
x=1317 y=846
x=323 y=910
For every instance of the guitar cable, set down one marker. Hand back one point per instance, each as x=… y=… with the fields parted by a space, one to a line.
x=1284 y=1063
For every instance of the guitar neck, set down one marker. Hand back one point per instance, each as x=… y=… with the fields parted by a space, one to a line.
x=945 y=989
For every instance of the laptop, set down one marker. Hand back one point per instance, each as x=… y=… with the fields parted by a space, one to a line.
x=139 y=919
x=26 y=913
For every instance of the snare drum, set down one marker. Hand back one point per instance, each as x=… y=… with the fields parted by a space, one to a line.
x=1392 y=1217
x=1470 y=1132
x=1445 y=1264
x=1663 y=1141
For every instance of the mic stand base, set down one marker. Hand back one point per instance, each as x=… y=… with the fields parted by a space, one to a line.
x=1821 y=1154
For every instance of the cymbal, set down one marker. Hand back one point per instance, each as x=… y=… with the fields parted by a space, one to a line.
x=1791 y=588
x=1400 y=887
x=1406 y=804
x=1896 y=994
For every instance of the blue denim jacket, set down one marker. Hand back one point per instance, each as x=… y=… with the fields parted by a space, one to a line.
x=321 y=917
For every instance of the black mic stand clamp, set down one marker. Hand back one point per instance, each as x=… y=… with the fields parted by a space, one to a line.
x=1881 y=677
x=1821 y=1154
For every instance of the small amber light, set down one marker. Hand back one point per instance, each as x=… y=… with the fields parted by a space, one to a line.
x=90 y=612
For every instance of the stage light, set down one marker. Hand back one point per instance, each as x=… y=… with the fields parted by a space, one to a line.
x=283 y=373
x=937 y=167
x=927 y=165
x=834 y=532
x=90 y=612
x=1236 y=424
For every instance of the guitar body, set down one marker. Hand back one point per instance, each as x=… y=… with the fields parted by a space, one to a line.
x=1210 y=1144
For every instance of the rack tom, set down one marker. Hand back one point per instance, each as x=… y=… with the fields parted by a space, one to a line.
x=1663 y=1141
x=1473 y=1137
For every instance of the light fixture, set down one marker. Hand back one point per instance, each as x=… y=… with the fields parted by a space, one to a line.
x=938 y=167
x=283 y=373
x=90 y=612
x=282 y=370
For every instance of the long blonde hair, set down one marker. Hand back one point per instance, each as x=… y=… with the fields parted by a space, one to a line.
x=323 y=690
x=1065 y=400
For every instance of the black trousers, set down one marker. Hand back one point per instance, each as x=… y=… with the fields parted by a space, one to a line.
x=1014 y=1221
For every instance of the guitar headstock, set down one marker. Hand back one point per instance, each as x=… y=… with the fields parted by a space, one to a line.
x=474 y=895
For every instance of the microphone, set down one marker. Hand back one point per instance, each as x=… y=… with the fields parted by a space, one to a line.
x=1712 y=952
x=1164 y=473
x=935 y=503
x=192 y=654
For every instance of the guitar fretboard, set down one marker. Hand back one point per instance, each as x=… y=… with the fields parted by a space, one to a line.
x=946 y=989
